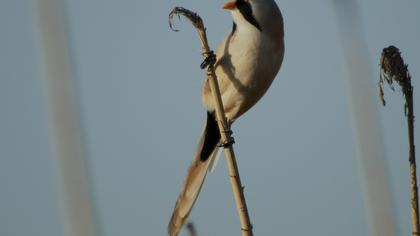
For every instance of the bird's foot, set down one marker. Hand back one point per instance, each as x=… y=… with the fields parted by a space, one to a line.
x=209 y=59
x=227 y=143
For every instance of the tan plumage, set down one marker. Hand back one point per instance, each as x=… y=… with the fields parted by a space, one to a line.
x=248 y=60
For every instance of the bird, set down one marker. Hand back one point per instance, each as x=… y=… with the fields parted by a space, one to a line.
x=247 y=61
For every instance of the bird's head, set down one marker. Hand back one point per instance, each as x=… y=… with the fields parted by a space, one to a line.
x=258 y=14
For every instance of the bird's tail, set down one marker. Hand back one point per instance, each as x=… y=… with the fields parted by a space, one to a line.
x=197 y=171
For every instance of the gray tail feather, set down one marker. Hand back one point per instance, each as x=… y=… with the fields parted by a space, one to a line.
x=195 y=176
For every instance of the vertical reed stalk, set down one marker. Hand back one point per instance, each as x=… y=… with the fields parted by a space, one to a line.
x=224 y=127
x=393 y=68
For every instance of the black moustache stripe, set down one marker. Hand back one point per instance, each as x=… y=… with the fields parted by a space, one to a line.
x=245 y=8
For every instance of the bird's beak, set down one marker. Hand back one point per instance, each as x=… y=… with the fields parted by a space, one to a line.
x=230 y=5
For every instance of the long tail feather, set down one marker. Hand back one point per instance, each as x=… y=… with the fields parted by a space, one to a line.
x=195 y=176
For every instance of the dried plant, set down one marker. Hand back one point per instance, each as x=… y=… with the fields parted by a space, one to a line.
x=225 y=132
x=393 y=69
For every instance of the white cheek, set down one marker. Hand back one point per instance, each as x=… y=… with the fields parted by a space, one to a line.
x=237 y=17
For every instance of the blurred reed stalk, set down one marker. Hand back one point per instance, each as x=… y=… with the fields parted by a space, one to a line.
x=224 y=127
x=393 y=69
x=366 y=130
x=63 y=120
x=191 y=229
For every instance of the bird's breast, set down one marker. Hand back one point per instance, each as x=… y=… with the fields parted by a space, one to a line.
x=247 y=64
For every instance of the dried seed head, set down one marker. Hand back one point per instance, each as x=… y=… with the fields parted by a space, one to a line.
x=392 y=65
x=393 y=69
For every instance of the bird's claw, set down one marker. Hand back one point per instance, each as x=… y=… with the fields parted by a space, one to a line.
x=210 y=59
x=227 y=143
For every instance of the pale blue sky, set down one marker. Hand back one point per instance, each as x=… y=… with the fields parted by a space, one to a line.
x=138 y=88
